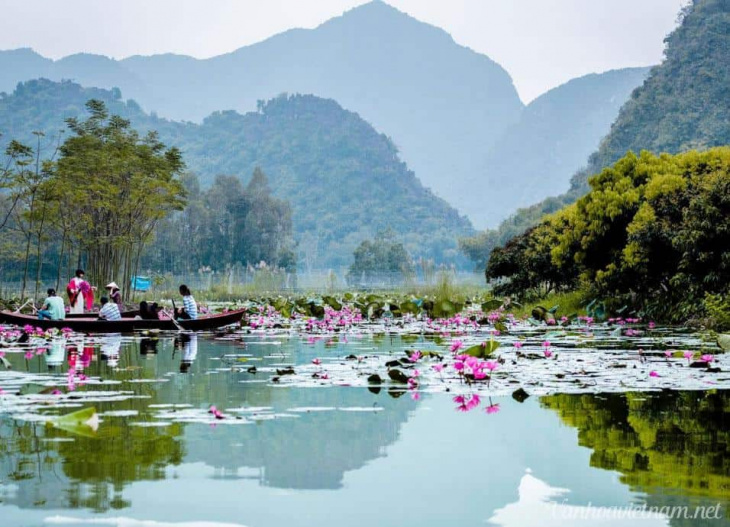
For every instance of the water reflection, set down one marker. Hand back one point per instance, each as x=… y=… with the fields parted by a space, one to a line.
x=543 y=505
x=394 y=454
x=675 y=446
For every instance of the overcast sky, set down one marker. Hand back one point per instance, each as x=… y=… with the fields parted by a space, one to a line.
x=541 y=43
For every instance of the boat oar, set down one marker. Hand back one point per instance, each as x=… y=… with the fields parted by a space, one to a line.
x=26 y=303
x=177 y=324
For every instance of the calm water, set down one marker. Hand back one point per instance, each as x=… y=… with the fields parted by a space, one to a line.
x=346 y=456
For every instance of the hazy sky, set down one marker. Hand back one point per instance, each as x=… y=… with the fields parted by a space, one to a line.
x=541 y=43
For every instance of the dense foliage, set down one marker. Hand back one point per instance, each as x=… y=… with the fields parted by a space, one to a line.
x=343 y=180
x=652 y=233
x=682 y=105
x=227 y=224
x=383 y=259
x=94 y=199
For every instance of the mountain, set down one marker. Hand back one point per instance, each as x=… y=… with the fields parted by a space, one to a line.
x=344 y=180
x=554 y=136
x=441 y=102
x=683 y=104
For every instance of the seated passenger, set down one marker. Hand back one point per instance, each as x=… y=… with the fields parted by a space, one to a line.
x=109 y=310
x=52 y=307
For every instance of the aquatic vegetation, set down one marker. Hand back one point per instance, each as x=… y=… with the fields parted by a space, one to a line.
x=487 y=353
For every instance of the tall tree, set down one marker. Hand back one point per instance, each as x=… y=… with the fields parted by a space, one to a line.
x=123 y=185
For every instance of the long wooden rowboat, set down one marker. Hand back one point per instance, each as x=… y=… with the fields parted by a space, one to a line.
x=125 y=314
x=126 y=325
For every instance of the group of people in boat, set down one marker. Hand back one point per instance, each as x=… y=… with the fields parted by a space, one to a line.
x=81 y=300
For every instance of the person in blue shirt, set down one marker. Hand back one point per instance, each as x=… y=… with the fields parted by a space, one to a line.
x=53 y=308
x=189 y=311
x=109 y=310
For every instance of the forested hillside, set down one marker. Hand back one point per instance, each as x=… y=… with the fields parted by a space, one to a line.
x=555 y=134
x=684 y=104
x=443 y=103
x=344 y=181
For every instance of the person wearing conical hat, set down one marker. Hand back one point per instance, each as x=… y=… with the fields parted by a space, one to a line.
x=115 y=294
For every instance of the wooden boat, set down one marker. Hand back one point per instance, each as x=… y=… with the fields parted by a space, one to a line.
x=125 y=314
x=126 y=325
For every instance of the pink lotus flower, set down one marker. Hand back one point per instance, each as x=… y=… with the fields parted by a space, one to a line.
x=56 y=392
x=456 y=346
x=707 y=358
x=316 y=362
x=28 y=354
x=438 y=367
x=668 y=353
x=479 y=375
x=459 y=366
x=473 y=402
x=548 y=353
x=517 y=344
x=415 y=356
x=546 y=344
x=491 y=365
x=688 y=355
x=492 y=408
x=653 y=373
x=28 y=328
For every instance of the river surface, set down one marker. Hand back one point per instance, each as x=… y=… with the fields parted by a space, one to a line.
x=309 y=453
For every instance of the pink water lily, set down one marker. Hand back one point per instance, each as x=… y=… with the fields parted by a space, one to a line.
x=548 y=353
x=546 y=344
x=708 y=358
x=688 y=355
x=491 y=365
x=473 y=402
x=653 y=373
x=438 y=367
x=517 y=344
x=316 y=362
x=492 y=408
x=456 y=346
x=415 y=356
x=668 y=353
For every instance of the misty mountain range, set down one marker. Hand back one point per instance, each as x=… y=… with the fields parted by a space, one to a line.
x=453 y=114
